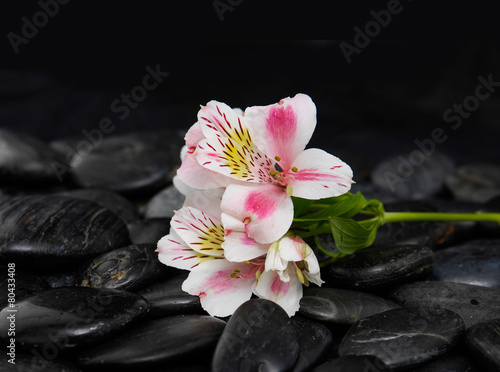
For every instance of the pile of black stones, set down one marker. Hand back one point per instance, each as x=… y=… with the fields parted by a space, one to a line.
x=80 y=233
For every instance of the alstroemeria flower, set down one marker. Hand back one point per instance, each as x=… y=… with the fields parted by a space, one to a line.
x=290 y=263
x=265 y=147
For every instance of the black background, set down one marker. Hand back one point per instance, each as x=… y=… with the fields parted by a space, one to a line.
x=395 y=91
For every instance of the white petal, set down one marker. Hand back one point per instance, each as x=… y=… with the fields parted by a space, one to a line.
x=285 y=294
x=313 y=278
x=320 y=175
x=265 y=209
x=294 y=249
x=220 y=294
x=197 y=177
x=193 y=136
x=217 y=119
x=205 y=201
x=239 y=247
x=274 y=261
x=284 y=128
x=174 y=252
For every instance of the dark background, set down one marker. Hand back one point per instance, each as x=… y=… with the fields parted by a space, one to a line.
x=395 y=91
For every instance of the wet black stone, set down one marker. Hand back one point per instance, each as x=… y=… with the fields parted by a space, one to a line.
x=55 y=230
x=164 y=203
x=22 y=283
x=258 y=336
x=167 y=298
x=476 y=182
x=135 y=163
x=475 y=262
x=69 y=317
x=36 y=361
x=473 y=303
x=422 y=179
x=362 y=363
x=128 y=268
x=25 y=159
x=116 y=203
x=314 y=340
x=483 y=342
x=404 y=337
x=341 y=306
x=449 y=363
x=149 y=230
x=374 y=267
x=56 y=277
x=154 y=342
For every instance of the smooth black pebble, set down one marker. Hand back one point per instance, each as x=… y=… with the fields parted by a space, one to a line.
x=20 y=283
x=483 y=341
x=149 y=230
x=259 y=336
x=362 y=363
x=404 y=337
x=164 y=203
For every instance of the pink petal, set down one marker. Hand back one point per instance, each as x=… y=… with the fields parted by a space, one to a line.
x=202 y=232
x=238 y=247
x=198 y=177
x=220 y=294
x=193 y=136
x=319 y=175
x=285 y=294
x=265 y=209
x=174 y=252
x=283 y=129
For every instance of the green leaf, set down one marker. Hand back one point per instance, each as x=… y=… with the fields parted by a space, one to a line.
x=350 y=236
x=300 y=206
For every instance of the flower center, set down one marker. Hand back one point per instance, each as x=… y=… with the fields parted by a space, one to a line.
x=282 y=177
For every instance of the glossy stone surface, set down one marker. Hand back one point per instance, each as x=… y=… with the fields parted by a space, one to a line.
x=21 y=282
x=258 y=336
x=353 y=364
x=149 y=230
x=404 y=337
x=135 y=163
x=473 y=303
x=164 y=203
x=167 y=298
x=379 y=266
x=341 y=306
x=128 y=268
x=36 y=360
x=69 y=317
x=450 y=362
x=477 y=182
x=156 y=341
x=483 y=341
x=475 y=262
x=53 y=230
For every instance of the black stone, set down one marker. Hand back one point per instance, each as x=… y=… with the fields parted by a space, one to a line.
x=25 y=159
x=167 y=298
x=473 y=303
x=128 y=268
x=37 y=361
x=259 y=336
x=362 y=363
x=164 y=203
x=341 y=306
x=449 y=363
x=404 y=337
x=483 y=341
x=314 y=340
x=22 y=284
x=56 y=277
x=475 y=262
x=149 y=230
x=55 y=230
x=136 y=163
x=379 y=266
x=154 y=342
x=113 y=201
x=476 y=182
x=67 y=317
x=410 y=181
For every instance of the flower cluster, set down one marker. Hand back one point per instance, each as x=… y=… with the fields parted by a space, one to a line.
x=239 y=172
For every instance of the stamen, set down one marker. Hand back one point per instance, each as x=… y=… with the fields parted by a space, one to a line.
x=294 y=169
x=258 y=274
x=289 y=190
x=300 y=276
x=277 y=158
x=247 y=220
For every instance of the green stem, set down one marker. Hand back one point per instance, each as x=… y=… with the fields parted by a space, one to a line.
x=324 y=230
x=436 y=216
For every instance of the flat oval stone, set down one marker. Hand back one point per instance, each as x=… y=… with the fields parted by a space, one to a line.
x=379 y=266
x=341 y=306
x=113 y=201
x=353 y=364
x=449 y=363
x=167 y=298
x=135 y=163
x=149 y=230
x=259 y=336
x=483 y=341
x=473 y=303
x=474 y=262
x=69 y=317
x=314 y=341
x=24 y=284
x=128 y=268
x=164 y=203
x=404 y=337
x=156 y=341
x=476 y=182
x=55 y=230
x=37 y=361
x=25 y=159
